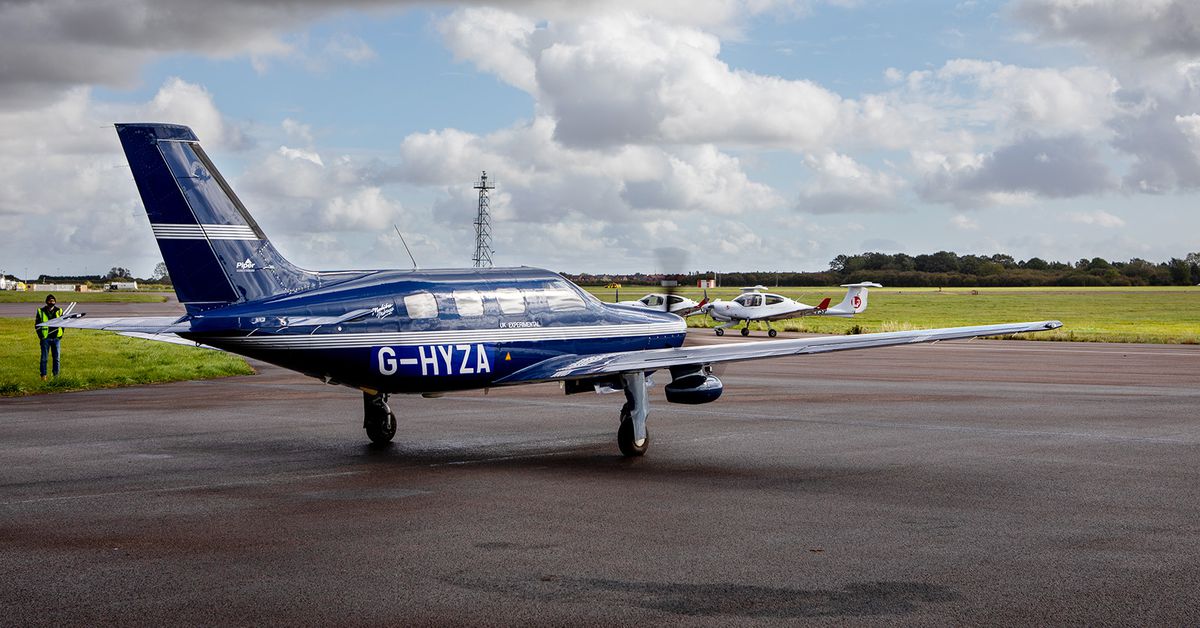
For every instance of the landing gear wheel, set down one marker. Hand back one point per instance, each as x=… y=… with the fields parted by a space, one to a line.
x=629 y=446
x=383 y=429
x=745 y=331
x=772 y=333
x=378 y=419
x=720 y=332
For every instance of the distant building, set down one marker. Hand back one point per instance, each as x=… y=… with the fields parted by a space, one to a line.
x=706 y=283
x=52 y=287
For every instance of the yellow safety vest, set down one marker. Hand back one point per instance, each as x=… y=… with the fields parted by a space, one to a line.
x=48 y=332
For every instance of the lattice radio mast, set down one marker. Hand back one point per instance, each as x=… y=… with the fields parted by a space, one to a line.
x=483 y=226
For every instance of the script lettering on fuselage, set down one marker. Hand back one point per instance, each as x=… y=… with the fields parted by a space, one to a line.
x=434 y=360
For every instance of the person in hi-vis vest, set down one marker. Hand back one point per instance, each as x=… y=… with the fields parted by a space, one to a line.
x=51 y=337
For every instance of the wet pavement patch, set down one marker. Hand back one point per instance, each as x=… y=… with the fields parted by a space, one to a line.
x=727 y=599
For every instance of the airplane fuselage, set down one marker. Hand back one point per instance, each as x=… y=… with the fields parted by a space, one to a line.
x=435 y=331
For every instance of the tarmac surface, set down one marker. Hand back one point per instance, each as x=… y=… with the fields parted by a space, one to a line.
x=986 y=482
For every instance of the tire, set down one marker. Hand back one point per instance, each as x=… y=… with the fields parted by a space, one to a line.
x=720 y=332
x=625 y=441
x=381 y=430
x=772 y=333
x=745 y=331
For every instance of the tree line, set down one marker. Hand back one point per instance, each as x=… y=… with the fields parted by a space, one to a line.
x=947 y=269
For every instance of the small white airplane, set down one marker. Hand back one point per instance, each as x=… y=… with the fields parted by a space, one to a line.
x=672 y=303
x=755 y=304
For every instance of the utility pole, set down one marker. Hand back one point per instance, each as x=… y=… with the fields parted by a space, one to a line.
x=483 y=227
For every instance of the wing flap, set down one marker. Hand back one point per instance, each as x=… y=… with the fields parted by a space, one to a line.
x=572 y=366
x=171 y=338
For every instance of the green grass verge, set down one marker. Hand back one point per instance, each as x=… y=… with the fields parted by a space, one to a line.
x=1168 y=314
x=63 y=298
x=97 y=359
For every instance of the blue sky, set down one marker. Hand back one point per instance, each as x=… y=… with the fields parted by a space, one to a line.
x=767 y=135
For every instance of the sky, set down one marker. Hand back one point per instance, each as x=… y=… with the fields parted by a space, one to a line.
x=752 y=134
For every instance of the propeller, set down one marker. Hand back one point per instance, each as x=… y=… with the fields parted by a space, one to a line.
x=672 y=260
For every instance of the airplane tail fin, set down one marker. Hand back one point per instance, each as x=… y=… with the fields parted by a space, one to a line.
x=214 y=251
x=855 y=301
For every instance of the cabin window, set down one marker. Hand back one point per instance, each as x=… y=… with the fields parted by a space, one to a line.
x=469 y=303
x=563 y=299
x=421 y=305
x=772 y=299
x=652 y=300
x=511 y=301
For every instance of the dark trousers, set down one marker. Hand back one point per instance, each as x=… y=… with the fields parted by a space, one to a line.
x=51 y=345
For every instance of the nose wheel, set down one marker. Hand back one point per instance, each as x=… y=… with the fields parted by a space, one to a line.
x=720 y=331
x=628 y=443
x=378 y=418
x=746 y=330
x=632 y=436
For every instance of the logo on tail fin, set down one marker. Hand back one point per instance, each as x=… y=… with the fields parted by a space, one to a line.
x=857 y=301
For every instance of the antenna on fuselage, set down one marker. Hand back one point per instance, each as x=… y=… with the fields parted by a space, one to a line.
x=406 y=249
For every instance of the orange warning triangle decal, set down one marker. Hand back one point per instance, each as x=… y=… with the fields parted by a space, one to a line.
x=507 y=357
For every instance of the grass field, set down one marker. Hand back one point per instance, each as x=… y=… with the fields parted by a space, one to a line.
x=1168 y=314
x=97 y=359
x=63 y=298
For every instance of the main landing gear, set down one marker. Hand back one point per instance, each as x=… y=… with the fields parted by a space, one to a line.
x=378 y=419
x=632 y=437
x=745 y=330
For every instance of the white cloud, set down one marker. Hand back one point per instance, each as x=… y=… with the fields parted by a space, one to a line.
x=186 y=103
x=69 y=180
x=991 y=95
x=297 y=153
x=1146 y=28
x=350 y=48
x=547 y=180
x=1097 y=218
x=624 y=78
x=964 y=223
x=1048 y=167
x=842 y=185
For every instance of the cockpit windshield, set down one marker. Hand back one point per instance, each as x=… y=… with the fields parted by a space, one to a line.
x=749 y=300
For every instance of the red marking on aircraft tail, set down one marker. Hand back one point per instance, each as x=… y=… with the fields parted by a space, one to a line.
x=824 y=304
x=857 y=301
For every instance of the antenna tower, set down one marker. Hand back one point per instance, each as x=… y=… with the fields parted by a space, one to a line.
x=483 y=226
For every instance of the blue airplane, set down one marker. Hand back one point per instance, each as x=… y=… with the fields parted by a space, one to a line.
x=427 y=332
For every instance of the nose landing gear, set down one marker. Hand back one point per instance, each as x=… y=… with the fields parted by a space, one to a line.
x=632 y=437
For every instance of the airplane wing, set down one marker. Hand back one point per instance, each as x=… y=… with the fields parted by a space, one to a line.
x=572 y=366
x=154 y=325
x=138 y=324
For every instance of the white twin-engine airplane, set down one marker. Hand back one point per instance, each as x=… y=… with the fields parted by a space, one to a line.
x=754 y=304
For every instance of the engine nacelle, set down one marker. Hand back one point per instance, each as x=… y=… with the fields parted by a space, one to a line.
x=694 y=388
